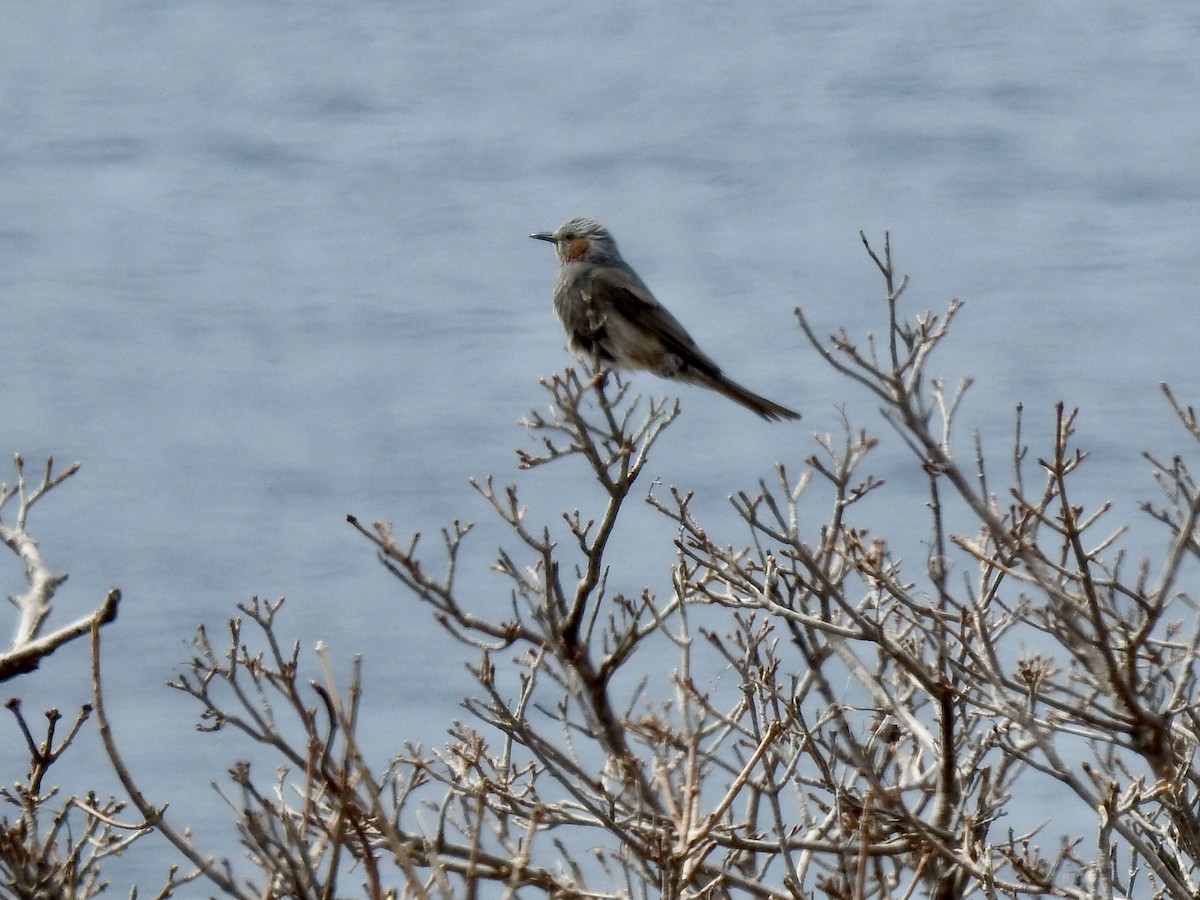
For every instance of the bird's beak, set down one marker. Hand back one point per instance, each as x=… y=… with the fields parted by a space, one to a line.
x=544 y=236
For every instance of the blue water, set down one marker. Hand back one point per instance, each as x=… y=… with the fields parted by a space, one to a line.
x=265 y=264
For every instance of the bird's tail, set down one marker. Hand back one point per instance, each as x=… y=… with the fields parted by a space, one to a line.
x=768 y=409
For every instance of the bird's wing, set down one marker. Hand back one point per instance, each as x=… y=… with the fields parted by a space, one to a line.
x=626 y=295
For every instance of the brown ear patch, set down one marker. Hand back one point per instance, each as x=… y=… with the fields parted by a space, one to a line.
x=575 y=248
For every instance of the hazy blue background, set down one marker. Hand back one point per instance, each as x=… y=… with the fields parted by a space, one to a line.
x=263 y=264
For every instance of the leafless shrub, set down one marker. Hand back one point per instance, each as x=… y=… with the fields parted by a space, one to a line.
x=879 y=728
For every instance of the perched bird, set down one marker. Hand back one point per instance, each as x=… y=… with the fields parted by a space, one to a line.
x=612 y=318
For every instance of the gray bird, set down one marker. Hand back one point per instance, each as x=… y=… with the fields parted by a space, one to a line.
x=612 y=318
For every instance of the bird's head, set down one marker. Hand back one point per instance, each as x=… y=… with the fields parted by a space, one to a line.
x=581 y=238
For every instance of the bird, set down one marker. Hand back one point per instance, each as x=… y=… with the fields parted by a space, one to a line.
x=611 y=318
